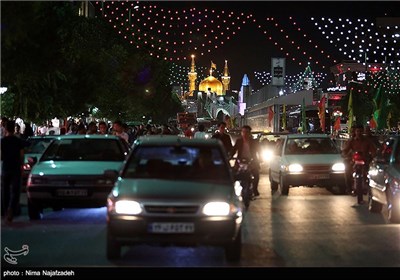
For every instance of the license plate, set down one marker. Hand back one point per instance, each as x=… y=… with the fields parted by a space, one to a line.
x=171 y=228
x=320 y=177
x=71 y=192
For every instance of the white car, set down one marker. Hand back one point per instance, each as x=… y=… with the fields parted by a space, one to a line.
x=307 y=160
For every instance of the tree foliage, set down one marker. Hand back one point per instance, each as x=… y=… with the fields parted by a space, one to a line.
x=56 y=63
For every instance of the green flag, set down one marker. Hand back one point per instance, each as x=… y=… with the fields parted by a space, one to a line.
x=350 y=111
x=383 y=112
x=377 y=104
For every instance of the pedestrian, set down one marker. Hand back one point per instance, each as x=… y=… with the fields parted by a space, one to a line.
x=223 y=137
x=12 y=158
x=118 y=130
x=200 y=133
x=103 y=127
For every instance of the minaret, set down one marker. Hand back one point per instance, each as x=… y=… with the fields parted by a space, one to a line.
x=192 y=75
x=226 y=78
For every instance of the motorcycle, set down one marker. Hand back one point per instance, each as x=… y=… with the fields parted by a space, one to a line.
x=244 y=175
x=359 y=163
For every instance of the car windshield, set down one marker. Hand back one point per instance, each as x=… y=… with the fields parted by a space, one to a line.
x=299 y=146
x=84 y=150
x=178 y=163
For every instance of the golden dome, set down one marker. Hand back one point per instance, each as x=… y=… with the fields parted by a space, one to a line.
x=211 y=83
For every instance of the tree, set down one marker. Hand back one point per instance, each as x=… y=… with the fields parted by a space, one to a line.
x=56 y=63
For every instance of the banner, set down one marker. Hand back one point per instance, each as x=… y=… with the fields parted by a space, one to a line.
x=350 y=111
x=321 y=112
x=278 y=71
x=336 y=126
x=372 y=123
x=270 y=116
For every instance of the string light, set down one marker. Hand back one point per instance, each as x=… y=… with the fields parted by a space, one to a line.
x=173 y=33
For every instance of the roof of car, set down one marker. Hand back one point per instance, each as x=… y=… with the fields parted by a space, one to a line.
x=161 y=139
x=42 y=136
x=87 y=136
x=311 y=135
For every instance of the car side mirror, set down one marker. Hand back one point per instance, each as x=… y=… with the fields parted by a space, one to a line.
x=32 y=160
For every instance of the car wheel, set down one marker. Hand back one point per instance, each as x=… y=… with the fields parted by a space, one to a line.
x=394 y=214
x=274 y=185
x=34 y=211
x=246 y=194
x=284 y=187
x=341 y=189
x=373 y=205
x=113 y=248
x=233 y=251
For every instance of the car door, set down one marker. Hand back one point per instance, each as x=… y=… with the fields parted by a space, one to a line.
x=378 y=168
x=275 y=163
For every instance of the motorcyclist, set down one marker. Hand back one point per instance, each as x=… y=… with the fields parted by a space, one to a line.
x=363 y=145
x=248 y=148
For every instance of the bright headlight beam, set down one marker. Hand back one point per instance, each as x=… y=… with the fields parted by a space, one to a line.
x=128 y=207
x=216 y=209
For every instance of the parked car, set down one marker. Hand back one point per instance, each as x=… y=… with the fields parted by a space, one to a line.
x=384 y=179
x=35 y=148
x=175 y=191
x=307 y=160
x=71 y=172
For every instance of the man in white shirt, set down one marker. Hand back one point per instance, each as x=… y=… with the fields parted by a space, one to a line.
x=118 y=129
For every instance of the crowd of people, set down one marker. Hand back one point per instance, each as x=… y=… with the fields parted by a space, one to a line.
x=13 y=142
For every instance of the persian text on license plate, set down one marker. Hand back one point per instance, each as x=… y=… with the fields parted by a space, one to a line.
x=72 y=192
x=320 y=176
x=171 y=227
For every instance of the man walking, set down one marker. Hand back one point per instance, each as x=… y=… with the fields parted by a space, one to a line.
x=12 y=157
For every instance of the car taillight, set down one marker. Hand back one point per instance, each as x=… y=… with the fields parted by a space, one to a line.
x=358 y=158
x=26 y=167
x=395 y=184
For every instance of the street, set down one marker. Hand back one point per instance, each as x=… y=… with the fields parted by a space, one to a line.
x=309 y=228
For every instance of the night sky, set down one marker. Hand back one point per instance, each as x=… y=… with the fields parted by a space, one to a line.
x=267 y=29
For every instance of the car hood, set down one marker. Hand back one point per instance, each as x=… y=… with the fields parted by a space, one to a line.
x=158 y=188
x=313 y=159
x=74 y=167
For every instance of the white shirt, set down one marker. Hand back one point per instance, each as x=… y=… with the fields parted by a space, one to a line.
x=200 y=135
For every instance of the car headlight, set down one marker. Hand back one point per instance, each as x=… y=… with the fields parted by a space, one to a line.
x=129 y=207
x=36 y=180
x=238 y=188
x=216 y=209
x=338 y=167
x=266 y=155
x=295 y=167
x=373 y=172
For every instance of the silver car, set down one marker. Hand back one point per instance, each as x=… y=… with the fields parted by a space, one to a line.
x=71 y=172
x=175 y=191
x=306 y=160
x=384 y=180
